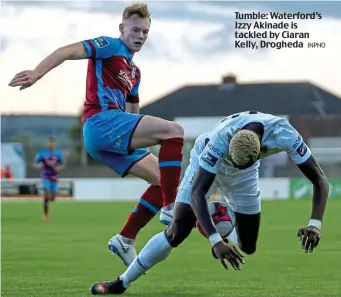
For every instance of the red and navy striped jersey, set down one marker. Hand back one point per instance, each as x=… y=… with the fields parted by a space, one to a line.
x=112 y=78
x=46 y=157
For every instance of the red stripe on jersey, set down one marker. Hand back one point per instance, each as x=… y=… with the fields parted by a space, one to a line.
x=133 y=99
x=91 y=105
x=93 y=49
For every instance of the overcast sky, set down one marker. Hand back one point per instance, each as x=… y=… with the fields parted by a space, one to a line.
x=189 y=43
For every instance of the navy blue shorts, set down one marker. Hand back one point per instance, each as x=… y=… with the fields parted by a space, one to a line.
x=107 y=137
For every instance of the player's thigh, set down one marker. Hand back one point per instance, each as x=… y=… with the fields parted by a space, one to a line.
x=110 y=131
x=119 y=163
x=54 y=188
x=148 y=169
x=185 y=188
x=247 y=228
x=46 y=185
x=182 y=224
x=152 y=130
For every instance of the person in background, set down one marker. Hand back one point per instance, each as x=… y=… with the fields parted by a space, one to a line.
x=6 y=172
x=50 y=161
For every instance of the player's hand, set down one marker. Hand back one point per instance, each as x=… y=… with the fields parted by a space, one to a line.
x=24 y=79
x=309 y=237
x=224 y=252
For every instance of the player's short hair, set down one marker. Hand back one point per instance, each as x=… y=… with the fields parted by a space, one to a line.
x=244 y=148
x=141 y=9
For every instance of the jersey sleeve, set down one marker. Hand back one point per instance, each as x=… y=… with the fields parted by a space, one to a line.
x=133 y=96
x=60 y=158
x=213 y=153
x=102 y=47
x=293 y=143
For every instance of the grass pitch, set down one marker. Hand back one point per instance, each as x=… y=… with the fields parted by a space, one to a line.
x=63 y=256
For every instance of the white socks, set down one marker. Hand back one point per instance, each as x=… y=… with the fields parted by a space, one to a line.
x=156 y=250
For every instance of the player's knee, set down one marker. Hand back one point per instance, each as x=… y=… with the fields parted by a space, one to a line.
x=177 y=233
x=175 y=130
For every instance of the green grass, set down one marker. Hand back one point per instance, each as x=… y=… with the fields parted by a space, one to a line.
x=64 y=256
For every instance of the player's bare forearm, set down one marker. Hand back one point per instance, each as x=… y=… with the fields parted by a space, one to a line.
x=133 y=107
x=75 y=51
x=320 y=197
x=315 y=174
x=201 y=184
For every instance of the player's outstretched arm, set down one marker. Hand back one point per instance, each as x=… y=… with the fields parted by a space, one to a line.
x=310 y=236
x=27 y=78
x=202 y=183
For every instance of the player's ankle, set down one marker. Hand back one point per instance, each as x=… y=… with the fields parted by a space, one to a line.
x=125 y=283
x=127 y=240
x=168 y=207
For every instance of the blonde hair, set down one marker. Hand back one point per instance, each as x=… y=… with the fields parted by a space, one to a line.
x=141 y=9
x=244 y=147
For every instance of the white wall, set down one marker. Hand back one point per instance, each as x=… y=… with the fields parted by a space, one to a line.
x=109 y=189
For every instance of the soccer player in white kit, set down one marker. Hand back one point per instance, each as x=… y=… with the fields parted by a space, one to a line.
x=228 y=159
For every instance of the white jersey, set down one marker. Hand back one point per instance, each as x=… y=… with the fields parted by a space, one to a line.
x=279 y=136
x=240 y=188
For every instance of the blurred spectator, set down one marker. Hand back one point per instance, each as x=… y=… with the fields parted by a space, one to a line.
x=6 y=172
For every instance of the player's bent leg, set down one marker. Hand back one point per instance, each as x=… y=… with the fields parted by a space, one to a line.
x=181 y=225
x=150 y=131
x=247 y=228
x=160 y=246
x=54 y=190
x=46 y=197
x=148 y=169
x=129 y=132
x=156 y=250
x=123 y=243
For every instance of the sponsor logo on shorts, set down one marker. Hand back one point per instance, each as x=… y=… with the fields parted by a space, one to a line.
x=118 y=143
x=101 y=42
x=215 y=150
x=302 y=149
x=209 y=159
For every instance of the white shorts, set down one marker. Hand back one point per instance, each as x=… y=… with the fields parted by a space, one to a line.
x=239 y=188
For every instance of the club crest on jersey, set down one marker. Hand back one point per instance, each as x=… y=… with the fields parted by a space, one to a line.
x=133 y=72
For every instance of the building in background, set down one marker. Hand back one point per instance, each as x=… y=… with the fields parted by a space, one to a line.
x=313 y=111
